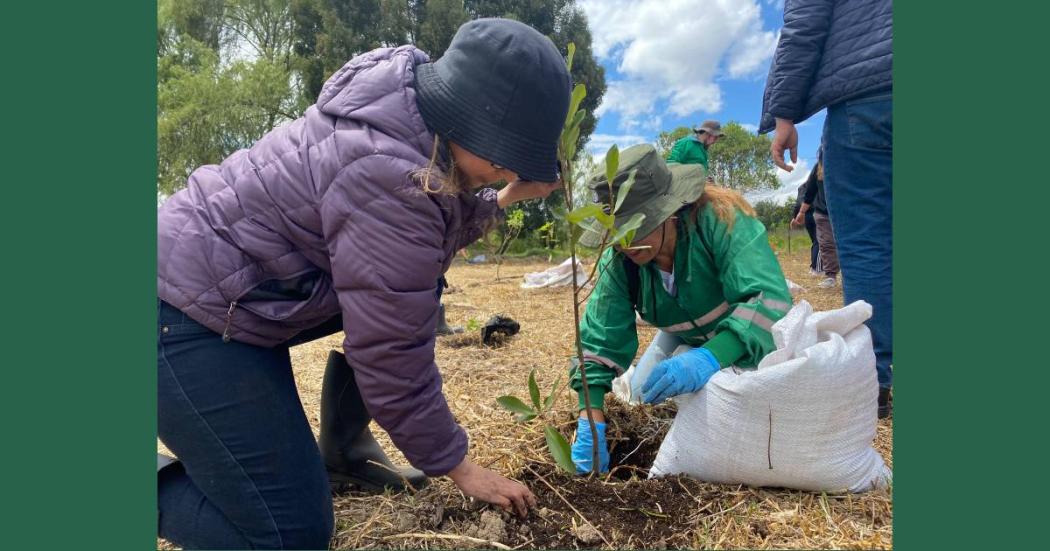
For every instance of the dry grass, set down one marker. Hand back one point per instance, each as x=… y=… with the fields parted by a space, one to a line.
x=721 y=516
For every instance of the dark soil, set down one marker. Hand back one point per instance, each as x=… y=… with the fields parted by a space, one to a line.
x=635 y=513
x=623 y=506
x=634 y=435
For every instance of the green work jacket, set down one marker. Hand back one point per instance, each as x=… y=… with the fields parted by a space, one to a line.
x=730 y=292
x=688 y=150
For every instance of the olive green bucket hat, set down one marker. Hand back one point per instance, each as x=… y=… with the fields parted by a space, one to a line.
x=660 y=190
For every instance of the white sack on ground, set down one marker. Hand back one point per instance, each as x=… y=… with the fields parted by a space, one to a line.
x=805 y=418
x=794 y=288
x=557 y=276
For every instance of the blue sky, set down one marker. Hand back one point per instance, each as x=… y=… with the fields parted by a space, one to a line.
x=671 y=63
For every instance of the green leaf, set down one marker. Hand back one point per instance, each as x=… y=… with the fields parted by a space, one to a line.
x=578 y=93
x=554 y=391
x=578 y=118
x=560 y=449
x=534 y=390
x=626 y=241
x=572 y=53
x=625 y=188
x=570 y=143
x=524 y=418
x=612 y=162
x=587 y=211
x=591 y=210
x=514 y=405
x=572 y=124
x=632 y=224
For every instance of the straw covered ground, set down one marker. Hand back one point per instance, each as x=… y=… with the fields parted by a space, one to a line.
x=628 y=511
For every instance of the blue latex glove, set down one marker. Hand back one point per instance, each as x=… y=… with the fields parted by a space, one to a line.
x=682 y=374
x=582 y=448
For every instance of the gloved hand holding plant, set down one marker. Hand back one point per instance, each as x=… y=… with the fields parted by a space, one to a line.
x=583 y=447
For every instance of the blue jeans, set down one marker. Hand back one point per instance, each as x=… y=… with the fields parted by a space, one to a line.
x=858 y=169
x=249 y=473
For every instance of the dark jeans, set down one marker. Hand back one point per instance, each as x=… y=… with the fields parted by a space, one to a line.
x=249 y=473
x=858 y=169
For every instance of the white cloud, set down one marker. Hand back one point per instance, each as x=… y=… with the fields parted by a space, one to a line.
x=789 y=183
x=749 y=127
x=600 y=143
x=794 y=178
x=675 y=51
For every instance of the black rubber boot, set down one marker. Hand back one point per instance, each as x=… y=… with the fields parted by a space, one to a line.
x=443 y=328
x=885 y=403
x=346 y=442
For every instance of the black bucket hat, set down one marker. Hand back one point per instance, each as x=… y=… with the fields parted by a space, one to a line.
x=501 y=91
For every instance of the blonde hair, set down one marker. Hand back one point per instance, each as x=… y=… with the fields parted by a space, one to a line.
x=436 y=181
x=724 y=201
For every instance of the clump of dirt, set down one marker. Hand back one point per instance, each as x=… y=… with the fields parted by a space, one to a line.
x=634 y=434
x=491 y=527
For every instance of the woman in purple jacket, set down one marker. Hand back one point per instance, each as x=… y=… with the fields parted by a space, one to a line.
x=344 y=219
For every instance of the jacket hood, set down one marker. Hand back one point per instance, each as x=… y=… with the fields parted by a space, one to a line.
x=378 y=89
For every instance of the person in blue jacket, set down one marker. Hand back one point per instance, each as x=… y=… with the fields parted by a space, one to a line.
x=838 y=54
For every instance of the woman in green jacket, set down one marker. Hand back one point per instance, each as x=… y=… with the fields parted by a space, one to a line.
x=702 y=272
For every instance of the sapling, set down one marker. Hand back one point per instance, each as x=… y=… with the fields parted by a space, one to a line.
x=556 y=443
x=515 y=222
x=585 y=216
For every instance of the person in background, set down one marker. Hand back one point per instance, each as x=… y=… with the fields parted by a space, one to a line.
x=813 y=201
x=693 y=149
x=344 y=219
x=838 y=54
x=701 y=271
x=811 y=226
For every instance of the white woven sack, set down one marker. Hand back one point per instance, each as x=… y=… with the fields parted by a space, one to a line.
x=804 y=419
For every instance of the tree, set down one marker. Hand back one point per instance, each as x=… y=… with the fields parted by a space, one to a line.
x=224 y=79
x=740 y=160
x=199 y=19
x=773 y=215
x=441 y=20
x=666 y=140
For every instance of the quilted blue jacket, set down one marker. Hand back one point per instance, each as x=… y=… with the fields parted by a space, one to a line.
x=830 y=51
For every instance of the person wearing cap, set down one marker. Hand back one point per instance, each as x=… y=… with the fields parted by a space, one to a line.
x=700 y=270
x=344 y=220
x=693 y=149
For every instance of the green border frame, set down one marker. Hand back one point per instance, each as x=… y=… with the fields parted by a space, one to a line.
x=79 y=219
x=79 y=152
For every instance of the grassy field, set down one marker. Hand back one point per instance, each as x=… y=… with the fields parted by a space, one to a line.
x=671 y=513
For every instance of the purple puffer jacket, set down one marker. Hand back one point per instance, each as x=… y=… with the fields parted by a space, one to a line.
x=331 y=195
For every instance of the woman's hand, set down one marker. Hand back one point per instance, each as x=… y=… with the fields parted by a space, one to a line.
x=523 y=191
x=481 y=483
